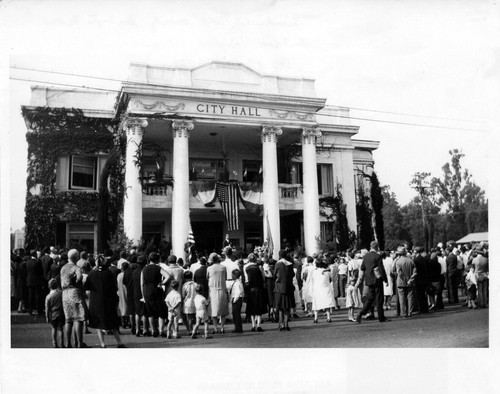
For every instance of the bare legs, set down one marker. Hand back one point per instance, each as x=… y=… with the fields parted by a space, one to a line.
x=100 y=334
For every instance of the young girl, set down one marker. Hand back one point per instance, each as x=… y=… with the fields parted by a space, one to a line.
x=471 y=283
x=353 y=299
x=201 y=305
x=55 y=312
x=173 y=301
x=188 y=293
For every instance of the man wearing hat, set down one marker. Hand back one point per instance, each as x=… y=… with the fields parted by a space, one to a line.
x=481 y=268
x=406 y=272
x=373 y=273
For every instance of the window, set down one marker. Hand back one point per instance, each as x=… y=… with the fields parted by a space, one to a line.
x=83 y=173
x=327 y=231
x=81 y=234
x=252 y=171
x=205 y=168
x=325 y=179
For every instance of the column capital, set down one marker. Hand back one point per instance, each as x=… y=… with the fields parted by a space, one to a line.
x=310 y=135
x=134 y=126
x=181 y=128
x=270 y=133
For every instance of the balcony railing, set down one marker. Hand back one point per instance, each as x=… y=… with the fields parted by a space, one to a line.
x=290 y=191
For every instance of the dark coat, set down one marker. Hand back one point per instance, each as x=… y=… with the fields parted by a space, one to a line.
x=34 y=273
x=284 y=278
x=422 y=265
x=103 y=300
x=371 y=261
x=451 y=263
x=200 y=277
x=129 y=285
x=46 y=264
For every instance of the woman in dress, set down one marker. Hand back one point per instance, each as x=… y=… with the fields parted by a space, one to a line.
x=388 y=290
x=255 y=295
x=103 y=301
x=306 y=287
x=269 y=275
x=73 y=299
x=217 y=276
x=283 y=290
x=322 y=290
x=138 y=300
x=334 y=271
x=123 y=295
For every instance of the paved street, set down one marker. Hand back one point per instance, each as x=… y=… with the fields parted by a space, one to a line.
x=455 y=326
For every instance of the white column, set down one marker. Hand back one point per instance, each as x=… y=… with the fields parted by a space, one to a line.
x=132 y=203
x=180 y=195
x=310 y=184
x=269 y=137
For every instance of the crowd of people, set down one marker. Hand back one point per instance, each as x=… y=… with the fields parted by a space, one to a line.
x=154 y=293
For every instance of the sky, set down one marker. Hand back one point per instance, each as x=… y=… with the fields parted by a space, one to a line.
x=435 y=59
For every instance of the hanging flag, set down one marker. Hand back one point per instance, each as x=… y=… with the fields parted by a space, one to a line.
x=228 y=198
x=270 y=243
x=260 y=169
x=246 y=172
x=191 y=235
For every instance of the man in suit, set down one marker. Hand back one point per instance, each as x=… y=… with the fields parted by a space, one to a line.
x=373 y=281
x=452 y=273
x=34 y=283
x=421 y=261
x=47 y=262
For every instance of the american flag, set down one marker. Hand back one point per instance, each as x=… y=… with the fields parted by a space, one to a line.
x=228 y=197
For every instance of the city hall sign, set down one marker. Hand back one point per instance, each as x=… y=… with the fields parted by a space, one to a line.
x=216 y=110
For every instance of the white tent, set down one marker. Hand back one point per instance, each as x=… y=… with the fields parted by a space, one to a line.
x=474 y=238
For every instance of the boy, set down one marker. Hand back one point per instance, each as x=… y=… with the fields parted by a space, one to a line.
x=236 y=294
x=173 y=301
x=54 y=311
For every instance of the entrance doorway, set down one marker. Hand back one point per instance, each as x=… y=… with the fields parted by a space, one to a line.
x=291 y=229
x=208 y=236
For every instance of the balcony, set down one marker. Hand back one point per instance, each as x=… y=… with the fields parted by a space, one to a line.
x=159 y=195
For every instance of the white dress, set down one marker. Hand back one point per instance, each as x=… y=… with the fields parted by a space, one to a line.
x=322 y=290
x=388 y=263
x=296 y=292
x=306 y=285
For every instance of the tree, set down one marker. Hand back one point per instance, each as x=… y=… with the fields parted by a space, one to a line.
x=377 y=200
x=462 y=200
x=364 y=218
x=394 y=230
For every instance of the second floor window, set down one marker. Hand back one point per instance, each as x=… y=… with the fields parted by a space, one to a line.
x=83 y=173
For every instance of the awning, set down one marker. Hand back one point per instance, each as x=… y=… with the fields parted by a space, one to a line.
x=474 y=237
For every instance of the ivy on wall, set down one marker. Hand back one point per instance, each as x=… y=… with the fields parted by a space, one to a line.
x=345 y=236
x=60 y=131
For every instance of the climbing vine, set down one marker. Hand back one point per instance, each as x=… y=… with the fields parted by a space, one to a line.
x=334 y=209
x=60 y=131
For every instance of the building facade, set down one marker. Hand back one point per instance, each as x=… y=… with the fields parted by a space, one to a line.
x=218 y=149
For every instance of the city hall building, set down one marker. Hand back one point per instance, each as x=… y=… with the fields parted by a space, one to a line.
x=217 y=149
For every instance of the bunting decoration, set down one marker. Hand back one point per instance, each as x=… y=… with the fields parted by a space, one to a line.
x=251 y=197
x=204 y=191
x=228 y=198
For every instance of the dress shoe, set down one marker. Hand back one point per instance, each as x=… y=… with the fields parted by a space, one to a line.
x=259 y=329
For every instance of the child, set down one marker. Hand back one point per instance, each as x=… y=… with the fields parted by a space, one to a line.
x=54 y=311
x=188 y=294
x=471 y=283
x=353 y=299
x=201 y=305
x=174 y=302
x=236 y=294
